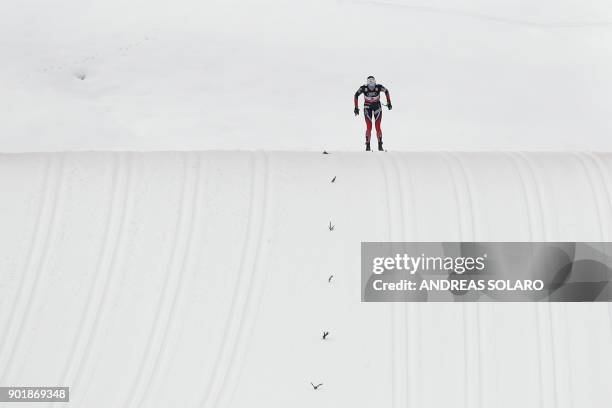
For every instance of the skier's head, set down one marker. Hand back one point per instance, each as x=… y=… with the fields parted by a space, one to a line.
x=371 y=82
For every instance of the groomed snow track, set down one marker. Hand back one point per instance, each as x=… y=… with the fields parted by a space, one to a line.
x=201 y=279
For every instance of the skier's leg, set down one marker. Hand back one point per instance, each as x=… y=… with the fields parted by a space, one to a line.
x=367 y=114
x=377 y=121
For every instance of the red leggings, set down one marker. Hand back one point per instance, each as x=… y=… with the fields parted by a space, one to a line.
x=369 y=113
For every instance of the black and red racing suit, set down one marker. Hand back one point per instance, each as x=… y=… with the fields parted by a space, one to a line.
x=372 y=107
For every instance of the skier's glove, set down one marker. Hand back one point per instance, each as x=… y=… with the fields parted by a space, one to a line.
x=356 y=111
x=389 y=106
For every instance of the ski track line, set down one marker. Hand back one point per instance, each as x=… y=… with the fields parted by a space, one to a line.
x=599 y=198
x=248 y=315
x=38 y=224
x=486 y=17
x=394 y=386
x=398 y=310
x=408 y=389
x=531 y=216
x=413 y=227
x=568 y=355
x=36 y=253
x=42 y=264
x=478 y=332
x=209 y=388
x=199 y=212
x=105 y=243
x=467 y=402
x=241 y=353
x=545 y=337
x=600 y=194
x=605 y=182
x=528 y=206
x=563 y=334
x=562 y=391
x=595 y=191
x=473 y=334
x=166 y=302
x=413 y=312
x=107 y=263
x=233 y=328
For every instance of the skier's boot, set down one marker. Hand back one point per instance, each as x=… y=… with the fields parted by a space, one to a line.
x=368 y=147
x=380 y=148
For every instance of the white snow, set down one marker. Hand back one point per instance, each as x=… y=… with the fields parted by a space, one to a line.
x=280 y=74
x=197 y=276
x=201 y=279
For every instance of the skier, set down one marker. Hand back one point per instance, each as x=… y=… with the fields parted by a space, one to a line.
x=372 y=108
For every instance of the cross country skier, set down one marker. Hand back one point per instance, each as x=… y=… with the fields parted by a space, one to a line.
x=372 y=108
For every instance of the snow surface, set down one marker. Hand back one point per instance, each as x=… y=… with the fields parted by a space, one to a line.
x=280 y=74
x=201 y=279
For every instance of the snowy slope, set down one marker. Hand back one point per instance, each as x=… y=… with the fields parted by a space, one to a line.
x=201 y=279
x=280 y=74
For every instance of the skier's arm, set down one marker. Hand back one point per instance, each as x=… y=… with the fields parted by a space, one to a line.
x=356 y=99
x=387 y=96
x=359 y=92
